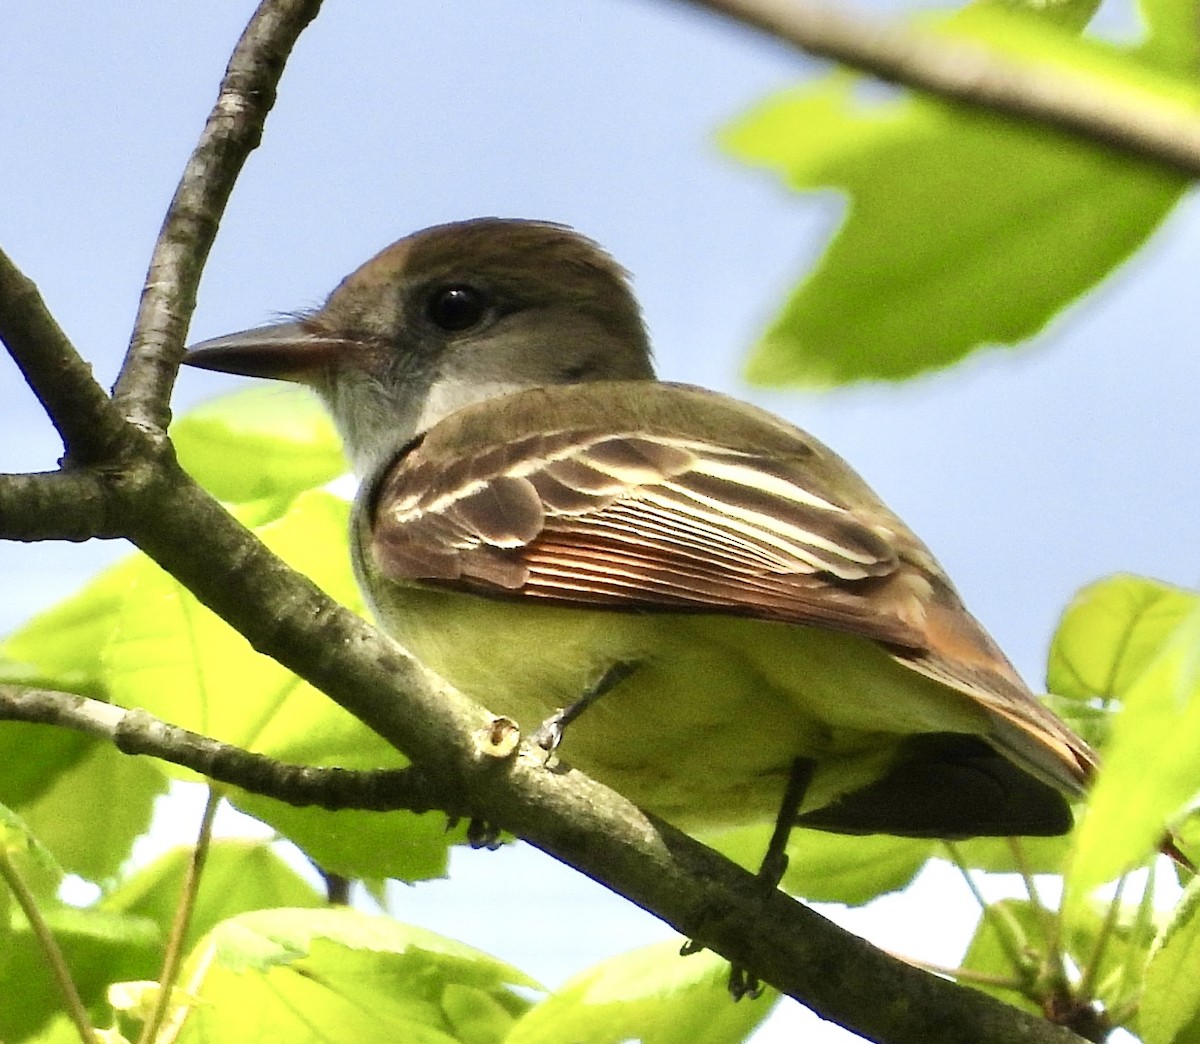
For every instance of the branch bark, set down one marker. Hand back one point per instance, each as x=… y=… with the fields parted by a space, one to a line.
x=972 y=74
x=134 y=731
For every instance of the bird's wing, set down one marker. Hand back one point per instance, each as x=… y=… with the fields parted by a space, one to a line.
x=622 y=511
x=635 y=521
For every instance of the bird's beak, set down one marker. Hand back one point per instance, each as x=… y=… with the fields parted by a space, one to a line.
x=285 y=351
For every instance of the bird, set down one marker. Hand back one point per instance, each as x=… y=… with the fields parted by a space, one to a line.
x=687 y=597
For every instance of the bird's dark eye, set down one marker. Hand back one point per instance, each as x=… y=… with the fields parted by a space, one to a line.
x=457 y=308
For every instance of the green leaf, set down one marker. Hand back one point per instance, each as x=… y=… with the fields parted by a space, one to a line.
x=1009 y=927
x=337 y=974
x=1040 y=855
x=239 y=875
x=60 y=648
x=652 y=995
x=34 y=757
x=179 y=661
x=93 y=810
x=1144 y=650
x=1027 y=928
x=1170 y=1008
x=29 y=857
x=1117 y=977
x=1110 y=633
x=964 y=228
x=99 y=946
x=1173 y=34
x=266 y=443
x=354 y=843
x=1072 y=15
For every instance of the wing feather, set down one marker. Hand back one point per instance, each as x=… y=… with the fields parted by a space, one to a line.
x=755 y=519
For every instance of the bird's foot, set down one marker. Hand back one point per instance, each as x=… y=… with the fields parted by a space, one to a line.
x=483 y=835
x=550 y=733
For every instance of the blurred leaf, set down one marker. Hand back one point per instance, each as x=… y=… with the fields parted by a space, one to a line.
x=99 y=947
x=337 y=974
x=1073 y=15
x=239 y=875
x=1173 y=34
x=652 y=995
x=1118 y=976
x=266 y=443
x=1170 y=1008
x=1028 y=927
x=964 y=228
x=33 y=757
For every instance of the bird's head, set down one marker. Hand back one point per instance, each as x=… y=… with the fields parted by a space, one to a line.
x=445 y=317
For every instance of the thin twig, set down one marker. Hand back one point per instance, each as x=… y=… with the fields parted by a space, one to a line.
x=967 y=72
x=1087 y=978
x=45 y=939
x=173 y=957
x=1051 y=924
x=991 y=913
x=1143 y=927
x=232 y=132
x=135 y=731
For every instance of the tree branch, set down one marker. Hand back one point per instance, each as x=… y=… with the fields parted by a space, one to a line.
x=972 y=74
x=135 y=731
x=57 y=505
x=90 y=428
x=233 y=130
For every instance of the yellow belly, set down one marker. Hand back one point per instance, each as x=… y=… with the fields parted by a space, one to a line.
x=705 y=730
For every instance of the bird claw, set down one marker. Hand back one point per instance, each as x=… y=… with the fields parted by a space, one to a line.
x=483 y=835
x=741 y=982
x=550 y=733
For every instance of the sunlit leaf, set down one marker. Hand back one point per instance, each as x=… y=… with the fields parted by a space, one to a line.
x=94 y=809
x=260 y=444
x=178 y=660
x=337 y=974
x=1137 y=642
x=652 y=995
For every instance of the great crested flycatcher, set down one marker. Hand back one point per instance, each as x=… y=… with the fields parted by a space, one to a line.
x=545 y=525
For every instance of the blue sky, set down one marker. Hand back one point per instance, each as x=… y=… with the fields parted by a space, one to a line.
x=1029 y=472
